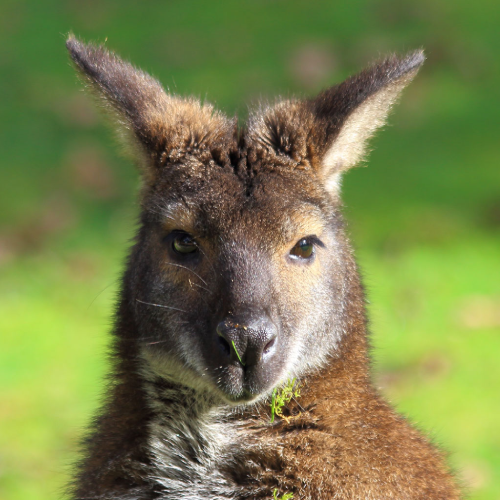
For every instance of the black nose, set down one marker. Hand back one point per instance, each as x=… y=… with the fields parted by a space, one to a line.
x=248 y=340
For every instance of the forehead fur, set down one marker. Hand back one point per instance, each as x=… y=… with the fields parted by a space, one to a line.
x=270 y=158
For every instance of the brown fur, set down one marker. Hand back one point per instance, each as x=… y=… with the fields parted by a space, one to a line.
x=186 y=416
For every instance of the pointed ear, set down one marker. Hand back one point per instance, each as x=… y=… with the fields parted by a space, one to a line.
x=161 y=127
x=347 y=115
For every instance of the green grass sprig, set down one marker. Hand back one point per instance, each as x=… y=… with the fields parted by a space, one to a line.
x=285 y=496
x=237 y=353
x=283 y=396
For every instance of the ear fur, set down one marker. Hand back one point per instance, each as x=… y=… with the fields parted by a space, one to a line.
x=348 y=114
x=282 y=130
x=330 y=133
x=164 y=128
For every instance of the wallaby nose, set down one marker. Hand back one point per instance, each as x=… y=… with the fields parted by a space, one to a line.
x=249 y=341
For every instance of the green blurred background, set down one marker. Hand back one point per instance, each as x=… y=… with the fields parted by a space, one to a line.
x=425 y=215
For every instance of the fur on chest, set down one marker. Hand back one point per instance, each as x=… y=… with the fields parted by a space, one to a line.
x=191 y=446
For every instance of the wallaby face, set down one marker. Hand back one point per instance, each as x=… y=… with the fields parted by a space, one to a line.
x=240 y=279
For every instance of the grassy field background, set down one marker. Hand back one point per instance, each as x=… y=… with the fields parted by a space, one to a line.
x=425 y=214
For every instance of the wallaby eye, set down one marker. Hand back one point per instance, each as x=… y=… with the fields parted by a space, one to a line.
x=183 y=243
x=304 y=249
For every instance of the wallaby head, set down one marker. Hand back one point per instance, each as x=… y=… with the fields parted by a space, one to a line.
x=241 y=271
x=242 y=280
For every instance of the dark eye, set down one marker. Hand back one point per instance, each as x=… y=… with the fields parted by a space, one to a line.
x=183 y=243
x=304 y=249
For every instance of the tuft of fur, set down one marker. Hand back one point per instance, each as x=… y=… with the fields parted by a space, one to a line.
x=184 y=417
x=161 y=128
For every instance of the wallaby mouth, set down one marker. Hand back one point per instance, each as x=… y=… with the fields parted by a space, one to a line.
x=238 y=385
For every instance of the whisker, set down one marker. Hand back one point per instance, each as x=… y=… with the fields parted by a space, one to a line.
x=161 y=305
x=201 y=296
x=199 y=286
x=208 y=260
x=184 y=267
x=98 y=295
x=136 y=339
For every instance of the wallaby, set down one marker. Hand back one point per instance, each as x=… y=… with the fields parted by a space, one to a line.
x=241 y=366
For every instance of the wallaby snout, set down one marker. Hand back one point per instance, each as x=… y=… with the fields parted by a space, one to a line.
x=249 y=341
x=249 y=344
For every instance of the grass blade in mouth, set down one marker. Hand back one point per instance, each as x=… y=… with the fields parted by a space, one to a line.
x=237 y=353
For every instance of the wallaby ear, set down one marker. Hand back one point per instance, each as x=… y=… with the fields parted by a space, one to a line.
x=163 y=127
x=348 y=114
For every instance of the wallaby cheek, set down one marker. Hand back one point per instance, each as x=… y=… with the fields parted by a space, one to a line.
x=309 y=297
x=162 y=295
x=297 y=285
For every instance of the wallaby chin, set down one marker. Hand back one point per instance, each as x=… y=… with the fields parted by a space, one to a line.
x=241 y=368
x=232 y=393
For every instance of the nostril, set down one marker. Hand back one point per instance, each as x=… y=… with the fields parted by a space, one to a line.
x=269 y=346
x=224 y=346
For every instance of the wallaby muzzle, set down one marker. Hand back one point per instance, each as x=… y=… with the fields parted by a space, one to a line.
x=248 y=347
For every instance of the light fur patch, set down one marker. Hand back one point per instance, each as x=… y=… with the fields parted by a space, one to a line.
x=190 y=442
x=350 y=146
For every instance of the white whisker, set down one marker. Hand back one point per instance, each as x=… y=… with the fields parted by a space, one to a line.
x=161 y=305
x=184 y=267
